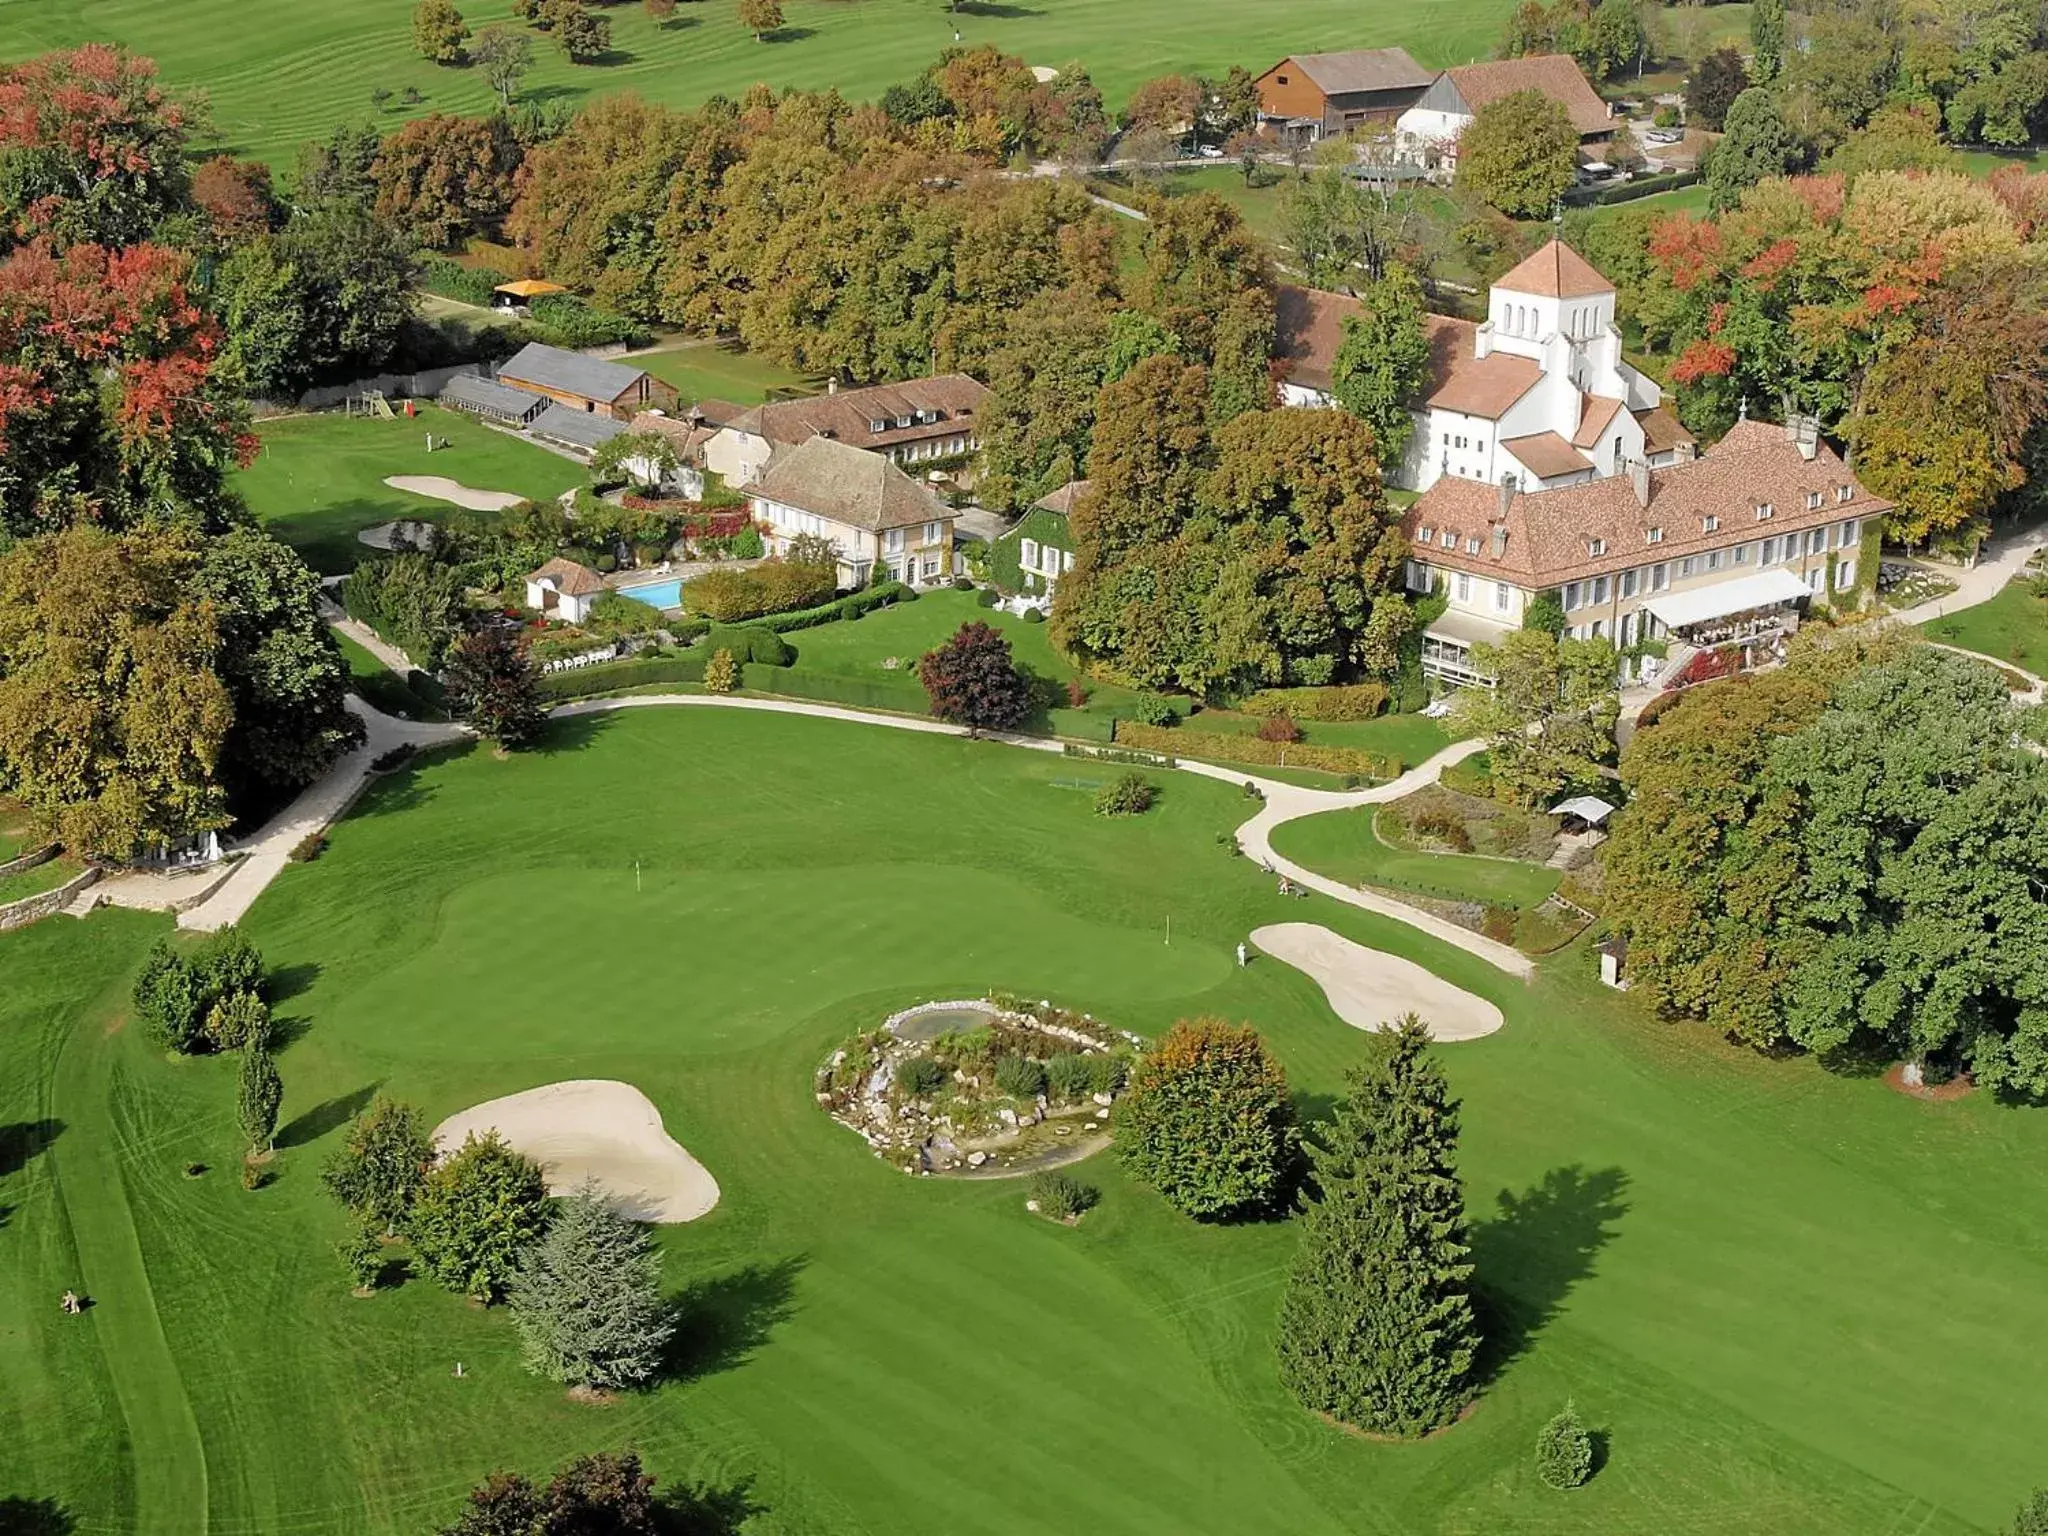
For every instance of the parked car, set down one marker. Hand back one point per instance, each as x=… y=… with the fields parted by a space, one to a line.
x=1664 y=135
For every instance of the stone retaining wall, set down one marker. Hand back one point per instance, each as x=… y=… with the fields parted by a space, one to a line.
x=30 y=908
x=30 y=861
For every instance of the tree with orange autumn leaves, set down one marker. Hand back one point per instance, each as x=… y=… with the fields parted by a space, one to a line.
x=1905 y=310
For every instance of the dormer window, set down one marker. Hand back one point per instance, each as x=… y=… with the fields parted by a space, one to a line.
x=1653 y=535
x=878 y=425
x=1471 y=543
x=1813 y=500
x=1763 y=511
x=1596 y=546
x=1709 y=523
x=1844 y=492
x=1449 y=539
x=1425 y=534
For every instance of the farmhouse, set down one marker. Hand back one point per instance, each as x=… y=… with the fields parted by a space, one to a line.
x=878 y=519
x=1318 y=95
x=564 y=590
x=1038 y=549
x=1725 y=548
x=1429 y=129
x=587 y=384
x=914 y=422
x=1537 y=393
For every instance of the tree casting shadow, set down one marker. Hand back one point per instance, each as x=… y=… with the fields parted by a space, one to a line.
x=1528 y=1257
x=34 y=1517
x=288 y=981
x=23 y=1141
x=698 y=1509
x=322 y=1118
x=723 y=1319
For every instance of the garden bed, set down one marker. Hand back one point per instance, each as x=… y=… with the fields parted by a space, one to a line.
x=979 y=1088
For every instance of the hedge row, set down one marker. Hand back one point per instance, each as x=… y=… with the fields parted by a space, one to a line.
x=466 y=285
x=1250 y=751
x=852 y=606
x=611 y=676
x=1629 y=191
x=1354 y=701
x=904 y=698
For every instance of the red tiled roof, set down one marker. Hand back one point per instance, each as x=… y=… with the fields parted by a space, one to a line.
x=1549 y=532
x=849 y=415
x=1480 y=386
x=1595 y=411
x=1555 y=272
x=1556 y=75
x=1662 y=431
x=1546 y=455
x=570 y=578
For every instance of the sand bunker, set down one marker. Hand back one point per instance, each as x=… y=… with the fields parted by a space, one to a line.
x=599 y=1130
x=441 y=488
x=1369 y=987
x=403 y=534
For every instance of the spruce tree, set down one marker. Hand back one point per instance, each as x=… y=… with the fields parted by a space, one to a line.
x=1376 y=1327
x=587 y=1297
x=1564 y=1450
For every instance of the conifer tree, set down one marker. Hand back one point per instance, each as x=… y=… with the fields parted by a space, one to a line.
x=1376 y=1327
x=587 y=1297
x=1564 y=1450
x=259 y=1092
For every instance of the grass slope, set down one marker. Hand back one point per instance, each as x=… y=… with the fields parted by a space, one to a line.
x=1788 y=1299
x=722 y=371
x=1346 y=845
x=299 y=70
x=2013 y=626
x=318 y=480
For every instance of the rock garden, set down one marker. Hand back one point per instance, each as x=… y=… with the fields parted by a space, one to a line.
x=987 y=1087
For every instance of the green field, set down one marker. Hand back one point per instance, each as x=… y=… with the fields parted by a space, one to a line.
x=33 y=882
x=319 y=479
x=293 y=72
x=1345 y=845
x=1790 y=1302
x=722 y=371
x=2012 y=627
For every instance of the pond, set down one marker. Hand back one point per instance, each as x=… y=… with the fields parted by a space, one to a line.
x=944 y=1019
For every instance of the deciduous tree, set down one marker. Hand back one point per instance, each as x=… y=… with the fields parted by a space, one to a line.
x=258 y=1093
x=1376 y=1323
x=505 y=55
x=235 y=196
x=475 y=1212
x=603 y=1495
x=760 y=17
x=1520 y=153
x=1383 y=360
x=1208 y=1123
x=379 y=1168
x=1710 y=90
x=1549 y=718
x=439 y=31
x=971 y=680
x=587 y=1300
x=442 y=179
x=494 y=685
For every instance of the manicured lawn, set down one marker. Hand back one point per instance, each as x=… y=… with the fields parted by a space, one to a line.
x=304 y=69
x=46 y=876
x=2013 y=627
x=1345 y=846
x=13 y=829
x=722 y=371
x=384 y=689
x=1789 y=1301
x=319 y=480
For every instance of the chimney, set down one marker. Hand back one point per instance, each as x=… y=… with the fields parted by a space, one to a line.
x=1500 y=540
x=1804 y=433
x=1639 y=478
x=1684 y=452
x=1509 y=485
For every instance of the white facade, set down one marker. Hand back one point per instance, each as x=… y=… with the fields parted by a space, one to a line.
x=918 y=555
x=546 y=596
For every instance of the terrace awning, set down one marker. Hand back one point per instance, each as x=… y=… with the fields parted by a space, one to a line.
x=1587 y=808
x=1762 y=589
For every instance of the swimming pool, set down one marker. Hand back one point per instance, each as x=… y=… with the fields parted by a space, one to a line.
x=656 y=594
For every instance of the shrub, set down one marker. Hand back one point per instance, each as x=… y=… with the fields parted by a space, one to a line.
x=721 y=672
x=2032 y=1519
x=1151 y=709
x=169 y=1000
x=1060 y=1197
x=773 y=586
x=1498 y=924
x=920 y=1077
x=1129 y=795
x=1278 y=728
x=1067 y=1078
x=963 y=583
x=1564 y=1451
x=363 y=1256
x=1034 y=615
x=1351 y=701
x=1208 y=1122
x=1020 y=1077
x=1107 y=1074
x=239 y=1020
x=750 y=642
x=377 y=1171
x=1442 y=825
x=1077 y=696
x=309 y=848
x=494 y=684
x=1666 y=116
x=397 y=757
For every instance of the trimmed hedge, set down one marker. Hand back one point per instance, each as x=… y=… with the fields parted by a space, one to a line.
x=851 y=606
x=1354 y=701
x=903 y=698
x=611 y=676
x=730 y=593
x=1629 y=191
x=466 y=285
x=1252 y=752
x=750 y=642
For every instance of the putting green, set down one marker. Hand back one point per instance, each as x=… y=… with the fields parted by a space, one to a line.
x=1789 y=1300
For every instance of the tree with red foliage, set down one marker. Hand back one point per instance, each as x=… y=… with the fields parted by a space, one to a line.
x=971 y=681
x=108 y=408
x=235 y=197
x=442 y=179
x=494 y=685
x=92 y=150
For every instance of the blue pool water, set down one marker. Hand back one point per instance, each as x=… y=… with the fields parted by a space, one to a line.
x=656 y=594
